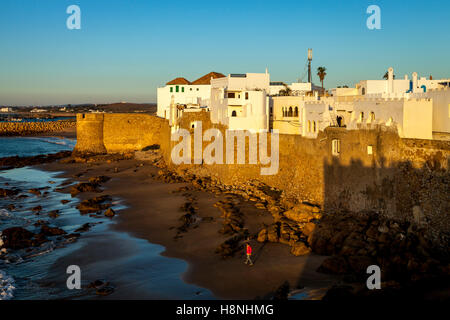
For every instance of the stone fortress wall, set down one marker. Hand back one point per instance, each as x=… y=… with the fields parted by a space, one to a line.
x=375 y=170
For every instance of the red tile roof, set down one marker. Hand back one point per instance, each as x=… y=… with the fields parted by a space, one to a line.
x=178 y=81
x=206 y=79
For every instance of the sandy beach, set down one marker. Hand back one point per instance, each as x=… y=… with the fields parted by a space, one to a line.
x=153 y=214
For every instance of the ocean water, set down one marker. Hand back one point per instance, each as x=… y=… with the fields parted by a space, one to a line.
x=32 y=146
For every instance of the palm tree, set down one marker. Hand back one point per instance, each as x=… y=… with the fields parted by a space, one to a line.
x=321 y=73
x=386 y=76
x=286 y=91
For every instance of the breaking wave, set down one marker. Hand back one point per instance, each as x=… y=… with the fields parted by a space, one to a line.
x=7 y=286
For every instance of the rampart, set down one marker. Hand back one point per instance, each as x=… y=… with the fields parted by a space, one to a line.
x=119 y=133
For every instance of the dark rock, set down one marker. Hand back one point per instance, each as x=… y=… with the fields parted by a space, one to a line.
x=37 y=209
x=8 y=192
x=359 y=264
x=334 y=265
x=72 y=235
x=40 y=223
x=53 y=214
x=104 y=291
x=64 y=201
x=85 y=227
x=35 y=191
x=17 y=162
x=151 y=147
x=230 y=247
x=282 y=292
x=300 y=249
x=99 y=179
x=49 y=231
x=97 y=284
x=110 y=212
x=84 y=187
x=20 y=238
x=94 y=205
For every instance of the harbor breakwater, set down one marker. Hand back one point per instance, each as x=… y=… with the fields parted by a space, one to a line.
x=30 y=128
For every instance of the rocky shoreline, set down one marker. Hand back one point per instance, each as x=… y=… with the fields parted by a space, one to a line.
x=410 y=260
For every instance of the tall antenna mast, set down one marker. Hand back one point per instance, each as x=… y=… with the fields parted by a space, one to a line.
x=309 y=64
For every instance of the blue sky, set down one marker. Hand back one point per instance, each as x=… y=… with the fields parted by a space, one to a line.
x=127 y=48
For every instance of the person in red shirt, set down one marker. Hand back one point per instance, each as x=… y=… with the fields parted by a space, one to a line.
x=249 y=253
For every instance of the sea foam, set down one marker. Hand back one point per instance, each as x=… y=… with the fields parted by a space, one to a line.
x=7 y=286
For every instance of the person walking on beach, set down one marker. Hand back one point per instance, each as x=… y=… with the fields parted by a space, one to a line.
x=249 y=253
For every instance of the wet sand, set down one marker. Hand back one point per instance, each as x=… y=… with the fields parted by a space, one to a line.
x=152 y=214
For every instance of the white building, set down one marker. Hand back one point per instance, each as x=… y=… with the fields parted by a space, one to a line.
x=37 y=110
x=297 y=88
x=241 y=101
x=194 y=94
x=391 y=88
x=5 y=109
x=417 y=108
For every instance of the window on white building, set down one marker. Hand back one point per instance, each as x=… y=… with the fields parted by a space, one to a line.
x=231 y=95
x=372 y=116
x=335 y=147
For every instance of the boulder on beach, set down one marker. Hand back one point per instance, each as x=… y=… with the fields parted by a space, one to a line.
x=84 y=187
x=20 y=238
x=35 y=191
x=303 y=213
x=37 y=209
x=85 y=227
x=8 y=192
x=99 y=179
x=94 y=205
x=300 y=249
x=334 y=265
x=51 y=231
x=230 y=247
x=110 y=212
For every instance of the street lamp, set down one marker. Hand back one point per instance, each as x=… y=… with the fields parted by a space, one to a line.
x=309 y=64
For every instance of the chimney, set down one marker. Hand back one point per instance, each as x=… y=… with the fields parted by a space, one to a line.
x=414 y=80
